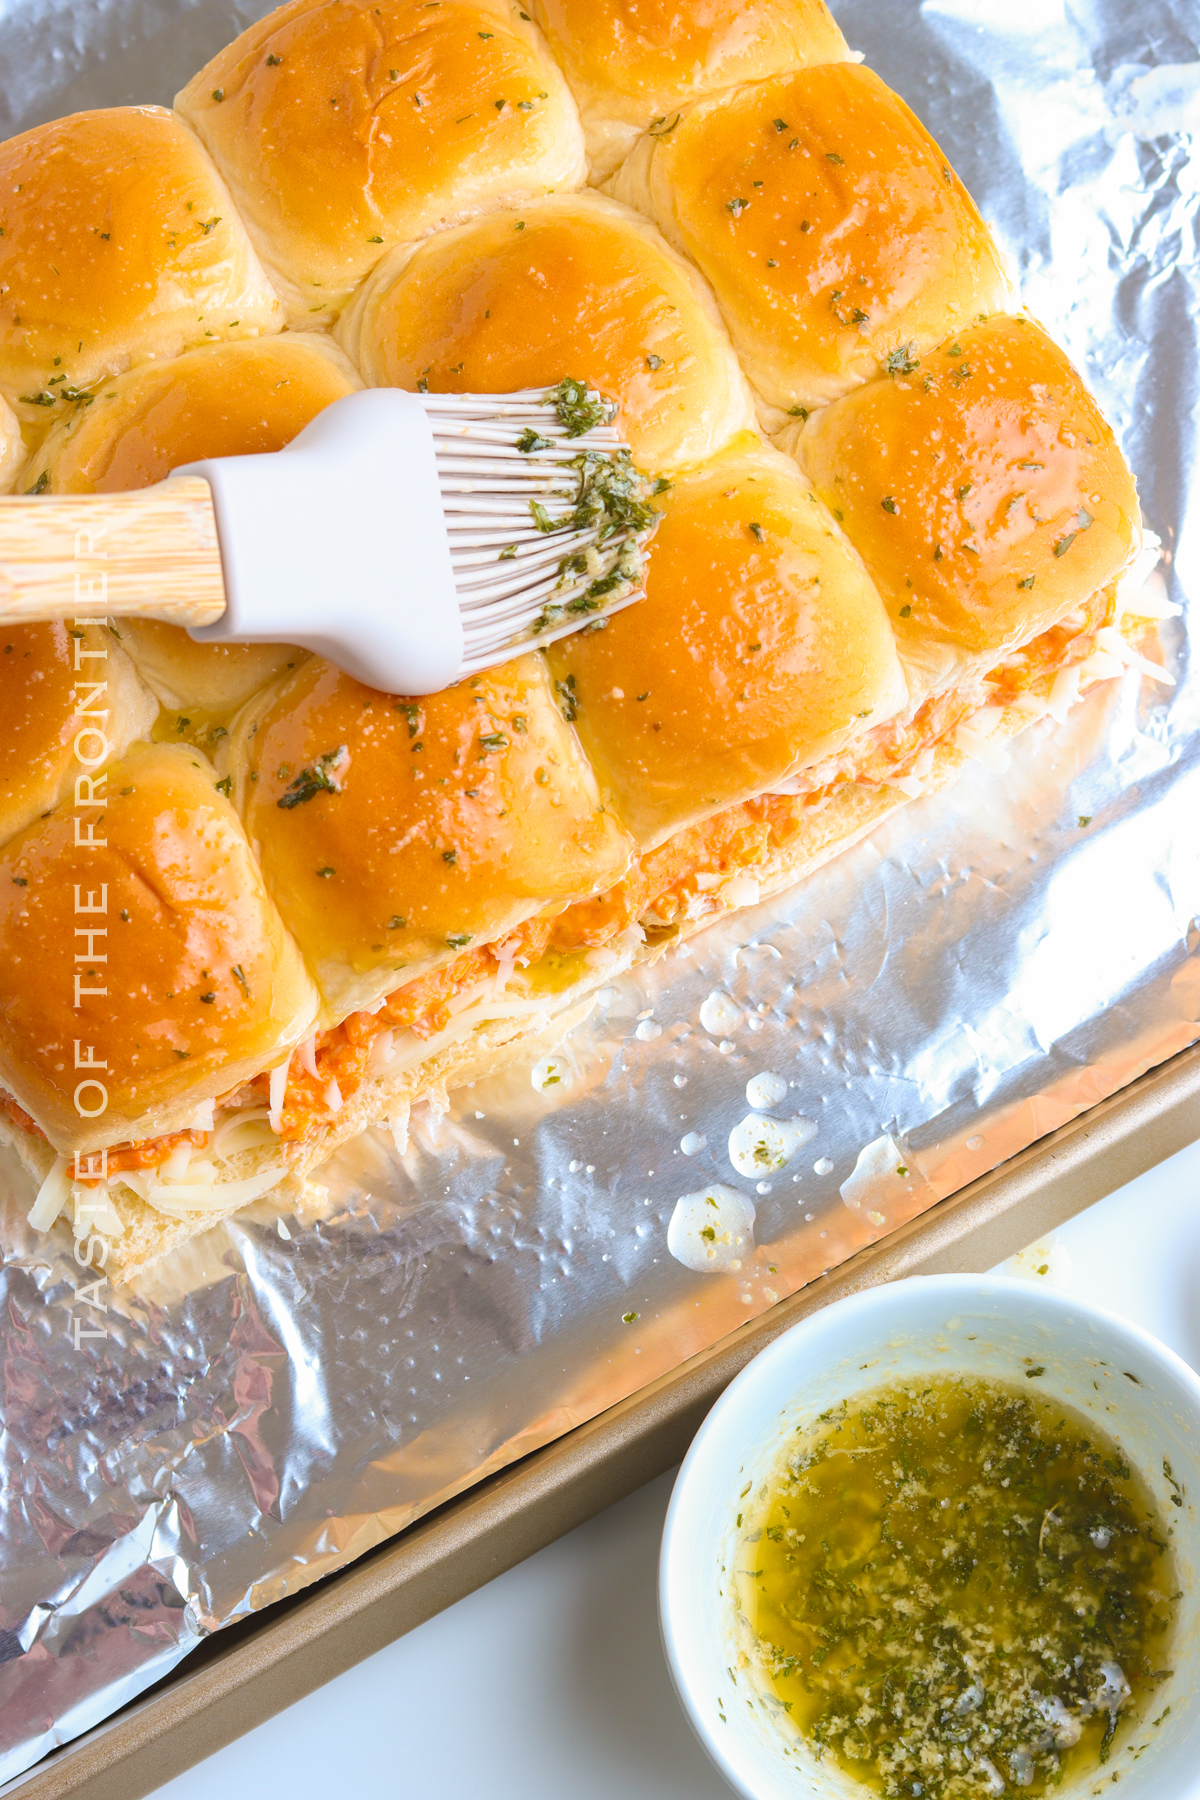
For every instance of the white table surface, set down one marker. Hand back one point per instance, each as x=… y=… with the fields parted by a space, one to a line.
x=550 y=1681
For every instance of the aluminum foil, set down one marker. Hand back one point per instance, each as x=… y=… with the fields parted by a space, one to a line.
x=275 y=1400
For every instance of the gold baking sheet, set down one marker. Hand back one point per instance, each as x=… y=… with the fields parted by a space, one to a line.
x=257 y=1669
x=989 y=965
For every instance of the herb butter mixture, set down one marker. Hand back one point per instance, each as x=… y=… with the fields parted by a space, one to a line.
x=956 y=1588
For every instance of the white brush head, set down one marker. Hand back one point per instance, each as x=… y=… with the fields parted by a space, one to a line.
x=413 y=539
x=546 y=514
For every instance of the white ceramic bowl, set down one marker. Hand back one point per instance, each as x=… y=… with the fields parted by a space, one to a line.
x=1137 y=1390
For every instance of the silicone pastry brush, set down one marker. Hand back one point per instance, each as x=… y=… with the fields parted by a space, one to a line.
x=412 y=539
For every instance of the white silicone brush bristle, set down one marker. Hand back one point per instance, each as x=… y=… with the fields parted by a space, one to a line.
x=546 y=514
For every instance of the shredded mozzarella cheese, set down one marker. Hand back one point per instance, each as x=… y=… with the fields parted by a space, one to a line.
x=741 y=890
x=177 y=1199
x=52 y=1196
x=1064 y=693
x=1099 y=666
x=242 y=1131
x=981 y=749
x=278 y=1087
x=94 y=1211
x=1110 y=639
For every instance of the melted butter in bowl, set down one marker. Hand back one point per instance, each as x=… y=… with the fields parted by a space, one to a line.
x=938 y=1541
x=954 y=1586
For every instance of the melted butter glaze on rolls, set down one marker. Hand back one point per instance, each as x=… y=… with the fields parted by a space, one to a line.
x=394 y=833
x=227 y=400
x=48 y=675
x=203 y=986
x=373 y=897
x=573 y=285
x=200 y=686
x=985 y=492
x=344 y=128
x=633 y=63
x=761 y=646
x=239 y=399
x=12 y=448
x=832 y=229
x=120 y=243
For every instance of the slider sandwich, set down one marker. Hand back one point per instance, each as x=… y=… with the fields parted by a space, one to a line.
x=249 y=907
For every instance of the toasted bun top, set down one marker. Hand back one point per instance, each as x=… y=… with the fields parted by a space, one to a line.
x=228 y=400
x=345 y=127
x=567 y=286
x=235 y=399
x=49 y=675
x=830 y=225
x=190 y=983
x=120 y=242
x=761 y=646
x=393 y=832
x=634 y=62
x=985 y=492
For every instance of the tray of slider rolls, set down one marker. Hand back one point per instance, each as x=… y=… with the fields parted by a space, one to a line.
x=390 y=1084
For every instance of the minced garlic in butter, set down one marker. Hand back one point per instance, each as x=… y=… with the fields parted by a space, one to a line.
x=955 y=1587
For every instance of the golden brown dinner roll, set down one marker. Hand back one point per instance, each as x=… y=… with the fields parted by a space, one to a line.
x=633 y=63
x=985 y=492
x=12 y=448
x=201 y=686
x=760 y=647
x=394 y=832
x=56 y=682
x=152 y=907
x=225 y=400
x=120 y=242
x=344 y=128
x=574 y=285
x=237 y=399
x=834 y=233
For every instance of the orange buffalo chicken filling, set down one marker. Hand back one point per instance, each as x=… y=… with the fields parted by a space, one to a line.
x=742 y=837
x=659 y=889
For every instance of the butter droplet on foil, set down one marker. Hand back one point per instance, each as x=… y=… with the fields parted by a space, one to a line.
x=693 y=1143
x=766 y=1090
x=647 y=1030
x=882 y=1177
x=712 y=1231
x=550 y=1076
x=823 y=1166
x=719 y=1013
x=760 y=1146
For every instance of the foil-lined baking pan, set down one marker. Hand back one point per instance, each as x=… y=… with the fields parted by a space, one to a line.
x=277 y=1398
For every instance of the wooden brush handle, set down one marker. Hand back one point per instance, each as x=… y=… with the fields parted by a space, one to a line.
x=152 y=554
